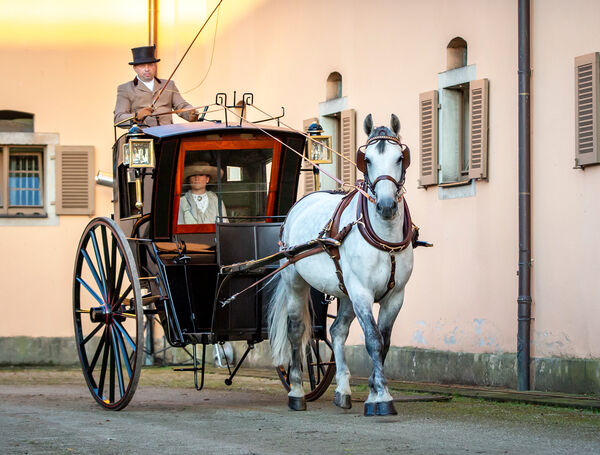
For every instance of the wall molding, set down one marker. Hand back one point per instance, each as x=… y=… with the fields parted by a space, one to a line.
x=556 y=374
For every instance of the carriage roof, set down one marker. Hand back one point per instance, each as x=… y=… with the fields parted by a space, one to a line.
x=187 y=129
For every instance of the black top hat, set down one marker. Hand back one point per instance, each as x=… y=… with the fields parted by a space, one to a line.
x=144 y=54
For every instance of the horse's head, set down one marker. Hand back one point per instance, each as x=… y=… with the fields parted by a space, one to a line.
x=383 y=160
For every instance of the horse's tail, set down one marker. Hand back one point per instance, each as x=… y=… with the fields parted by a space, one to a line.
x=281 y=350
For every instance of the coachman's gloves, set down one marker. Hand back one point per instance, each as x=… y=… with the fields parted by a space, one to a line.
x=193 y=117
x=143 y=113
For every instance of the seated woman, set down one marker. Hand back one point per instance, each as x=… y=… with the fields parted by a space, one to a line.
x=197 y=205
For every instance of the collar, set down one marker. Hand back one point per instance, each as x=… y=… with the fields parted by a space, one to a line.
x=135 y=80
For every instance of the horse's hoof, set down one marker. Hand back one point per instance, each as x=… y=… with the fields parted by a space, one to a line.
x=369 y=409
x=385 y=408
x=342 y=400
x=297 y=403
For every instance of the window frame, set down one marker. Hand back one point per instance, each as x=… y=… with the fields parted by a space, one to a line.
x=235 y=142
x=20 y=211
x=451 y=160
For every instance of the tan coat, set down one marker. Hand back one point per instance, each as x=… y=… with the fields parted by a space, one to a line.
x=134 y=95
x=189 y=213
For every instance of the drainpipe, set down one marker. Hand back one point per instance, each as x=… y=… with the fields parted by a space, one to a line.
x=524 y=299
x=153 y=22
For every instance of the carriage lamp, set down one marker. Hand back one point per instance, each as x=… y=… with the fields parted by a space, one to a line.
x=126 y=154
x=319 y=146
x=318 y=149
x=141 y=152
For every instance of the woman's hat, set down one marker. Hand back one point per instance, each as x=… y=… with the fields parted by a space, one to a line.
x=200 y=168
x=144 y=54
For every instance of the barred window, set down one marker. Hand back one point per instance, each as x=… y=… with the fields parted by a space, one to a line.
x=21 y=181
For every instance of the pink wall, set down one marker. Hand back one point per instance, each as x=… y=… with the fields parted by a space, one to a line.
x=462 y=295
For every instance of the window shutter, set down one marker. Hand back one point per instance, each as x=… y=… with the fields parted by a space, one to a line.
x=586 y=103
x=74 y=180
x=307 y=176
x=478 y=123
x=348 y=146
x=428 y=127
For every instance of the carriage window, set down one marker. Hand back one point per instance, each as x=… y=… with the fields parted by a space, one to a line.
x=232 y=184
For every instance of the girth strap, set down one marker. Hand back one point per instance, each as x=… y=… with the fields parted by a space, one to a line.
x=392 y=281
x=331 y=230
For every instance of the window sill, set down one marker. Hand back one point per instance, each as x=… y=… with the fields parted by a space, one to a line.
x=456 y=190
x=25 y=215
x=454 y=184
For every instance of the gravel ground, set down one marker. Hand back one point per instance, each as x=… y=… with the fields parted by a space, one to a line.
x=49 y=411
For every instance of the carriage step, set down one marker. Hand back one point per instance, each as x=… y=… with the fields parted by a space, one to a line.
x=188 y=369
x=321 y=363
x=152 y=299
x=148 y=300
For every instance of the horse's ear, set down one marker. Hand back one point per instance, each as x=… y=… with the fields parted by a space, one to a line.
x=368 y=124
x=395 y=124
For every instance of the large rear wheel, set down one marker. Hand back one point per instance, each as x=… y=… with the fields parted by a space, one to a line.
x=108 y=314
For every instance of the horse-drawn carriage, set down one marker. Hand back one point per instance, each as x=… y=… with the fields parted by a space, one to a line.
x=149 y=261
x=195 y=276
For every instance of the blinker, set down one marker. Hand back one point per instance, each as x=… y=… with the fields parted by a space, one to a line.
x=360 y=154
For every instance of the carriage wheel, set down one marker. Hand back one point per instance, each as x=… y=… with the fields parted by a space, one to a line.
x=108 y=315
x=318 y=369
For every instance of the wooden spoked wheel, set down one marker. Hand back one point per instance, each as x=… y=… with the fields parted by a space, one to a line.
x=108 y=314
x=318 y=369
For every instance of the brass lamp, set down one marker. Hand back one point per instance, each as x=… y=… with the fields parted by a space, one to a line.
x=319 y=146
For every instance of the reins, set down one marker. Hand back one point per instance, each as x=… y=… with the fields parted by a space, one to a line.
x=362 y=191
x=331 y=236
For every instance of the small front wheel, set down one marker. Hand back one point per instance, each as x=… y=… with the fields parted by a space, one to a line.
x=108 y=314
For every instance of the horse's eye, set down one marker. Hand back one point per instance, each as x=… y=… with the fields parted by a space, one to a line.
x=399 y=160
x=367 y=161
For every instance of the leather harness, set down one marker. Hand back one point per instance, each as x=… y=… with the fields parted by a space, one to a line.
x=334 y=236
x=331 y=236
x=332 y=231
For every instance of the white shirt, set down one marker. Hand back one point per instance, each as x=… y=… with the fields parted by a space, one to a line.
x=201 y=201
x=150 y=84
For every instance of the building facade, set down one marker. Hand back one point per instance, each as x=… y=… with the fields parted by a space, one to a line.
x=447 y=69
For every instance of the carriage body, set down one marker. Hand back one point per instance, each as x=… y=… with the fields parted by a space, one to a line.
x=173 y=266
x=256 y=181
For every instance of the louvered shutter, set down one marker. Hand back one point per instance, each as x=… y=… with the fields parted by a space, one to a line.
x=74 y=180
x=348 y=146
x=478 y=128
x=428 y=141
x=586 y=104
x=307 y=176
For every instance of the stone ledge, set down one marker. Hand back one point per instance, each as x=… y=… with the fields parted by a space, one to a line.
x=404 y=363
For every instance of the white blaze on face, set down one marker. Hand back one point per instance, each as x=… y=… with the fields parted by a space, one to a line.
x=387 y=163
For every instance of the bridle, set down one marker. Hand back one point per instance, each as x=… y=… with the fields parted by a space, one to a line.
x=361 y=164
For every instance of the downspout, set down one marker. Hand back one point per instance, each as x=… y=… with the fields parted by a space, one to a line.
x=524 y=299
x=152 y=40
x=153 y=23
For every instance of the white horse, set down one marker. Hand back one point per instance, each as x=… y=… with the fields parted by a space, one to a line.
x=370 y=273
